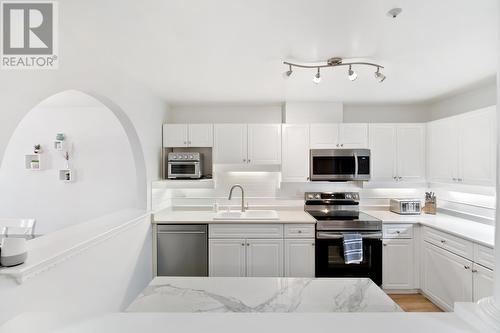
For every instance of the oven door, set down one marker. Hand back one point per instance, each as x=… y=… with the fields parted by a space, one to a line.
x=184 y=170
x=339 y=164
x=330 y=256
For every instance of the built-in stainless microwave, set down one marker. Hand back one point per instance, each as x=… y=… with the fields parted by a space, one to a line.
x=339 y=164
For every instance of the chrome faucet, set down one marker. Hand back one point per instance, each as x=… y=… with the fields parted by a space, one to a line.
x=242 y=196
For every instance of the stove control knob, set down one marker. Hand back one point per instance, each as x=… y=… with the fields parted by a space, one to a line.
x=310 y=196
x=317 y=196
x=191 y=157
x=348 y=196
x=185 y=157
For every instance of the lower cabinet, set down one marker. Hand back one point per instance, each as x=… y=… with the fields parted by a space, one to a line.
x=483 y=282
x=398 y=264
x=299 y=257
x=447 y=278
x=245 y=257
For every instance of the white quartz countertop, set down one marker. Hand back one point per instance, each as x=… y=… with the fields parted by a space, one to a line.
x=246 y=294
x=203 y=216
x=474 y=231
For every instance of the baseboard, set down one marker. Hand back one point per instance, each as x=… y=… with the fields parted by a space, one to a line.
x=402 y=291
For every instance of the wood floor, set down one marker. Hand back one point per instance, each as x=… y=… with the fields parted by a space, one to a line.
x=414 y=303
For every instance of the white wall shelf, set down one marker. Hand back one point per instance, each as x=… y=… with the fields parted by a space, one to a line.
x=33 y=162
x=184 y=183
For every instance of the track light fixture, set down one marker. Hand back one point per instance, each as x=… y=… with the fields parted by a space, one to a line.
x=379 y=76
x=352 y=74
x=335 y=62
x=317 y=77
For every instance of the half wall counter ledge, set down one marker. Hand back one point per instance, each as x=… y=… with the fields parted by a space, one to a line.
x=51 y=249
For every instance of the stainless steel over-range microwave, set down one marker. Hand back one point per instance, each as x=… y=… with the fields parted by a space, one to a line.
x=339 y=164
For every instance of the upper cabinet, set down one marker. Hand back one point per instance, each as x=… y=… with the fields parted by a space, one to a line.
x=247 y=144
x=187 y=135
x=462 y=149
x=295 y=151
x=326 y=136
x=397 y=152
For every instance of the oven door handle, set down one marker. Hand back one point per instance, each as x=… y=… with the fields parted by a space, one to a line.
x=329 y=235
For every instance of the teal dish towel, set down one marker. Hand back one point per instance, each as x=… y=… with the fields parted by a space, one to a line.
x=353 y=248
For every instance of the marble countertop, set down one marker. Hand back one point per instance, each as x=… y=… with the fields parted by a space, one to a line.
x=477 y=232
x=204 y=216
x=261 y=295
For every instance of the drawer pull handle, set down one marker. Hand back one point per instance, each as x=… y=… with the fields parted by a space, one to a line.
x=474 y=271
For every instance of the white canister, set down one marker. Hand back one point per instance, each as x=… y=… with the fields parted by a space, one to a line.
x=13 y=251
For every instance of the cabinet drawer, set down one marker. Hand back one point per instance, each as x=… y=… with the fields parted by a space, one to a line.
x=484 y=256
x=245 y=231
x=449 y=242
x=398 y=230
x=299 y=231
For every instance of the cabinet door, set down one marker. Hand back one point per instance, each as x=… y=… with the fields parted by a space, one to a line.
x=201 y=135
x=447 y=278
x=299 y=257
x=295 y=150
x=230 y=143
x=483 y=282
x=353 y=135
x=382 y=143
x=226 y=257
x=443 y=150
x=265 y=257
x=477 y=147
x=324 y=136
x=175 y=135
x=411 y=152
x=264 y=143
x=398 y=264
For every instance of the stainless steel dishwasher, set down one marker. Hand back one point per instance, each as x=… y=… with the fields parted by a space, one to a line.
x=182 y=250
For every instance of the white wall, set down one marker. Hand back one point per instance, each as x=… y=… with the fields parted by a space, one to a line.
x=270 y=113
x=103 y=278
x=471 y=98
x=409 y=113
x=100 y=155
x=312 y=112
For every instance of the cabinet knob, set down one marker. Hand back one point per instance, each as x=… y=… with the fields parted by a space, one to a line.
x=244 y=160
x=399 y=178
x=300 y=231
x=467 y=267
x=342 y=145
x=384 y=244
x=248 y=161
x=248 y=244
x=460 y=179
x=242 y=244
x=443 y=241
x=395 y=178
x=312 y=244
x=398 y=232
x=474 y=271
x=454 y=179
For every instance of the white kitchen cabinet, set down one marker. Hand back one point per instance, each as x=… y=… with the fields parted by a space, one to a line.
x=447 y=278
x=477 y=149
x=397 y=152
x=187 y=135
x=227 y=257
x=353 y=135
x=230 y=143
x=483 y=282
x=327 y=136
x=264 y=257
x=264 y=143
x=383 y=143
x=324 y=136
x=201 y=135
x=462 y=149
x=299 y=257
x=398 y=264
x=247 y=144
x=295 y=153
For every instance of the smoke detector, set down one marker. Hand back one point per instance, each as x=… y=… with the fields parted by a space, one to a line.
x=394 y=12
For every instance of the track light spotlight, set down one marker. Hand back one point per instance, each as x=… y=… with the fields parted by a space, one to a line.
x=288 y=73
x=317 y=77
x=379 y=76
x=352 y=74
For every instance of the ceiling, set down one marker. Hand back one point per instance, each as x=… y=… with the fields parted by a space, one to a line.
x=197 y=51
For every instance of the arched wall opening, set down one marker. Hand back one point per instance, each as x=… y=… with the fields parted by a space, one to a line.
x=106 y=159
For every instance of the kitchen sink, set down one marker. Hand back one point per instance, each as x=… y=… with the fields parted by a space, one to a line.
x=247 y=215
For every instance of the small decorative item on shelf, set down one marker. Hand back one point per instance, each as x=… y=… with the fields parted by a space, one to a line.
x=37 y=149
x=430 y=203
x=35 y=164
x=66 y=175
x=59 y=143
x=32 y=162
